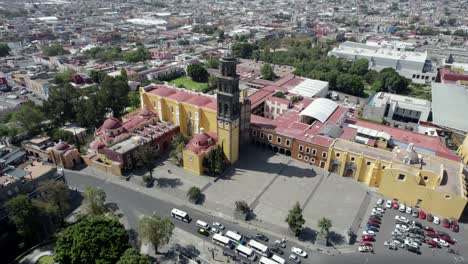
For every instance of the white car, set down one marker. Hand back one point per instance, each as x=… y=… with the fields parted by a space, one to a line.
x=404 y=228
x=299 y=252
x=409 y=210
x=401 y=219
x=368 y=233
x=397 y=243
x=436 y=220
x=411 y=243
x=380 y=201
x=218 y=225
x=388 y=204
x=378 y=209
x=364 y=249
x=441 y=242
x=402 y=208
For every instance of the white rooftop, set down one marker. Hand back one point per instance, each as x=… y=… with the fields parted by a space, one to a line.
x=320 y=109
x=309 y=88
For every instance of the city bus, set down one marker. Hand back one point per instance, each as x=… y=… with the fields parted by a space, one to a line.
x=236 y=238
x=278 y=259
x=181 y=215
x=246 y=252
x=221 y=240
x=265 y=260
x=259 y=248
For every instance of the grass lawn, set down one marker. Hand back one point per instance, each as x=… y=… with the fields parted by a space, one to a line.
x=187 y=83
x=45 y=260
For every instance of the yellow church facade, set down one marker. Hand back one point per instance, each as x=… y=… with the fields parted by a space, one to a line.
x=423 y=181
x=463 y=150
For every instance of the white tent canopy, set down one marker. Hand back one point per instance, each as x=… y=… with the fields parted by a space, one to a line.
x=320 y=109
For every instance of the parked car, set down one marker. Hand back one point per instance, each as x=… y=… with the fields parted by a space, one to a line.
x=295 y=258
x=368 y=233
x=432 y=235
x=431 y=243
x=276 y=250
x=422 y=214
x=367 y=238
x=401 y=219
x=214 y=230
x=415 y=213
x=373 y=224
x=374 y=220
x=203 y=231
x=380 y=201
x=413 y=249
x=445 y=223
x=395 y=205
x=365 y=243
x=455 y=228
x=280 y=243
x=441 y=242
x=436 y=220
x=376 y=215
x=218 y=225
x=390 y=245
x=398 y=243
x=299 y=252
x=428 y=228
x=372 y=228
x=411 y=243
x=409 y=210
x=402 y=208
x=442 y=233
x=416 y=224
x=429 y=217
x=388 y=204
x=402 y=227
x=397 y=233
x=261 y=237
x=378 y=210
x=365 y=249
x=447 y=239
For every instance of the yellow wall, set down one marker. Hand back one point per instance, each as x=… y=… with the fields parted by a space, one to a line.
x=228 y=138
x=193 y=162
x=409 y=191
x=463 y=150
x=206 y=117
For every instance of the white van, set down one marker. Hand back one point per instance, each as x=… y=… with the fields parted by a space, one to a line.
x=202 y=224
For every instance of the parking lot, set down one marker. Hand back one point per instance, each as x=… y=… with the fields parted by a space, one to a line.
x=388 y=226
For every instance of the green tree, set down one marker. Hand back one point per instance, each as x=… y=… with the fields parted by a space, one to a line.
x=157 y=231
x=295 y=219
x=23 y=214
x=212 y=83
x=96 y=239
x=60 y=106
x=140 y=54
x=197 y=72
x=29 y=116
x=97 y=77
x=359 y=67
x=57 y=195
x=134 y=99
x=123 y=75
x=89 y=112
x=183 y=42
x=132 y=256
x=194 y=194
x=113 y=95
x=54 y=50
x=4 y=50
x=215 y=161
x=147 y=155
x=221 y=34
x=452 y=21
x=64 y=77
x=242 y=206
x=94 y=201
x=212 y=63
x=267 y=72
x=58 y=134
x=392 y=82
x=324 y=225
x=243 y=50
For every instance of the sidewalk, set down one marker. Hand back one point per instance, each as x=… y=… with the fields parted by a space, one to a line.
x=179 y=197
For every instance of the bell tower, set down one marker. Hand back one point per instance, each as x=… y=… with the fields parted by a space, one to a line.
x=229 y=108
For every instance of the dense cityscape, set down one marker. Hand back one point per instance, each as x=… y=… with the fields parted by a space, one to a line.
x=266 y=131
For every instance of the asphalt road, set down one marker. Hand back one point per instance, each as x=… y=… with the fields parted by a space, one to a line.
x=134 y=204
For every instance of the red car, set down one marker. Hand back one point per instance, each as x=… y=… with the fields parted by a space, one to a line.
x=422 y=215
x=428 y=228
x=447 y=239
x=374 y=220
x=367 y=238
x=429 y=217
x=395 y=205
x=365 y=243
x=432 y=235
x=432 y=243
x=445 y=223
x=455 y=227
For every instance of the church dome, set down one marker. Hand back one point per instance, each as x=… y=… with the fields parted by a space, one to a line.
x=201 y=139
x=61 y=146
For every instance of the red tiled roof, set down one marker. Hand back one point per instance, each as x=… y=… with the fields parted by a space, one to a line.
x=162 y=91
x=447 y=75
x=259 y=97
x=180 y=96
x=203 y=145
x=199 y=100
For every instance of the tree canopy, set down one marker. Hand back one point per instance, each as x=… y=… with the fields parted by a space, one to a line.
x=94 y=201
x=23 y=214
x=29 y=116
x=146 y=155
x=215 y=162
x=113 y=95
x=194 y=194
x=156 y=230
x=267 y=72
x=95 y=239
x=212 y=63
x=324 y=225
x=54 y=50
x=197 y=72
x=295 y=219
x=4 y=50
x=132 y=256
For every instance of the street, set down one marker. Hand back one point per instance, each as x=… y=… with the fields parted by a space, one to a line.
x=134 y=203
